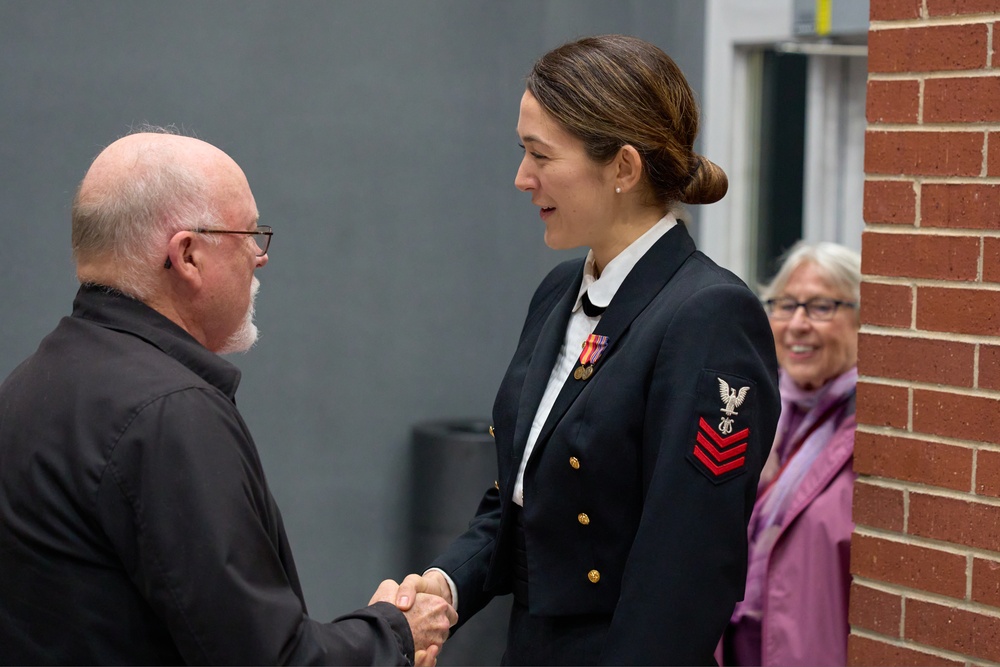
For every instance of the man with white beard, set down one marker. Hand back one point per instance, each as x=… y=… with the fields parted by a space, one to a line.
x=136 y=525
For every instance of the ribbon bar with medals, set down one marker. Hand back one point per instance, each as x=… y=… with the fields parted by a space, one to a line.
x=593 y=348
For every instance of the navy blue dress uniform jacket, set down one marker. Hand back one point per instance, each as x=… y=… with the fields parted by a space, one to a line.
x=136 y=525
x=642 y=480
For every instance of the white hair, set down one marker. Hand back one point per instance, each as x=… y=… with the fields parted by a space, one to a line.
x=840 y=265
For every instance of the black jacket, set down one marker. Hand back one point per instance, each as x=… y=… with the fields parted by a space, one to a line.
x=663 y=546
x=136 y=526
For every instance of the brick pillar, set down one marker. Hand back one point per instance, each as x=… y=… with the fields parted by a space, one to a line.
x=926 y=550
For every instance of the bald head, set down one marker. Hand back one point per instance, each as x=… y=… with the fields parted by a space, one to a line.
x=137 y=193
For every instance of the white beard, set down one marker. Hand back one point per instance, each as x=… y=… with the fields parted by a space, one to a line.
x=244 y=337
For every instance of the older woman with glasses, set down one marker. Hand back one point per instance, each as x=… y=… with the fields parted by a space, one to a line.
x=795 y=608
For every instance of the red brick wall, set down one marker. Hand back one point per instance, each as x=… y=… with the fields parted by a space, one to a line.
x=926 y=551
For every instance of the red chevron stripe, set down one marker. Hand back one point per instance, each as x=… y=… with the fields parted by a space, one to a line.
x=722 y=442
x=717 y=469
x=720 y=456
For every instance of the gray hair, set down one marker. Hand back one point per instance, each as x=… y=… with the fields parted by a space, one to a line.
x=129 y=221
x=840 y=265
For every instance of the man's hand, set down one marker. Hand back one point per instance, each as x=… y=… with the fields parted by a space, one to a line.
x=429 y=615
x=426 y=658
x=432 y=582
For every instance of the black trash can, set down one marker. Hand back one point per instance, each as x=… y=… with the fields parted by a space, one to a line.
x=454 y=463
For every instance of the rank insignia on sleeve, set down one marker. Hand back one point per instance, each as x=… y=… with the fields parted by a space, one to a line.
x=718 y=446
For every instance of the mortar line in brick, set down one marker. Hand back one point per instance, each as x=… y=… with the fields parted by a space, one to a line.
x=986 y=156
x=918 y=334
x=923 y=76
x=975 y=365
x=992 y=558
x=909 y=75
x=891 y=432
x=896 y=76
x=929 y=386
x=931 y=22
x=908 y=594
x=906 y=487
x=905 y=539
x=949 y=128
x=943 y=600
x=877 y=585
x=957 y=391
x=902 y=618
x=928 y=232
x=899 y=331
x=949 y=390
x=918 y=183
x=890 y=178
x=888 y=280
x=883 y=482
x=975 y=462
x=940 y=492
x=930 y=438
x=945 y=284
x=920 y=179
x=921 y=83
x=936 y=232
x=906 y=515
x=979 y=261
x=968 y=577
x=983 y=73
x=989 y=43
x=922 y=648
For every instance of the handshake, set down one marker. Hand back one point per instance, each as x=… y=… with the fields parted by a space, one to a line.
x=426 y=602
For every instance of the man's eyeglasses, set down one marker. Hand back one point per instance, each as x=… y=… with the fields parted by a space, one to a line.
x=261 y=236
x=818 y=308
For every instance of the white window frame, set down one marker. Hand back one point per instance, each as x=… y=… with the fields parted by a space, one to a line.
x=835 y=123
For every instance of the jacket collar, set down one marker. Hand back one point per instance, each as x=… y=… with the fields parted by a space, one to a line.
x=643 y=282
x=111 y=309
x=601 y=290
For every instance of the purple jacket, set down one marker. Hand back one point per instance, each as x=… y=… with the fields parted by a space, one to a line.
x=808 y=578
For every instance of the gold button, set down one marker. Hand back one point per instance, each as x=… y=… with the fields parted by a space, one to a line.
x=496 y=485
x=574 y=463
x=594 y=576
x=491 y=431
x=583 y=518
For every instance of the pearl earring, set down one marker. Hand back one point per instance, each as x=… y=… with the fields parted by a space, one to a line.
x=618 y=191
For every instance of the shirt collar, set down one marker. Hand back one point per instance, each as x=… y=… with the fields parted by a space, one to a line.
x=602 y=290
x=113 y=310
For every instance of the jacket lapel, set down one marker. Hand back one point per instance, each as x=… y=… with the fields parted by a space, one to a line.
x=543 y=358
x=644 y=282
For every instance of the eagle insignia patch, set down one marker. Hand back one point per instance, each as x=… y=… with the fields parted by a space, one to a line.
x=718 y=445
x=731 y=400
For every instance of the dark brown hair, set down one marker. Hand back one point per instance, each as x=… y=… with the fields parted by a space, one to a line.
x=615 y=90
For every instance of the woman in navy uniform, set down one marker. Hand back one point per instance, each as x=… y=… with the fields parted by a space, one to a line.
x=641 y=402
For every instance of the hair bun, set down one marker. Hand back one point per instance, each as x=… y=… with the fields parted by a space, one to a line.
x=708 y=183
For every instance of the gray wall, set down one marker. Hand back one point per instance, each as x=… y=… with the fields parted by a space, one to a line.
x=379 y=140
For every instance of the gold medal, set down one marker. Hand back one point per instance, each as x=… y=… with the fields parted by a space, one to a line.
x=593 y=349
